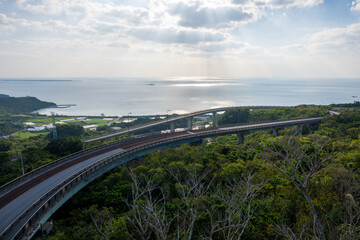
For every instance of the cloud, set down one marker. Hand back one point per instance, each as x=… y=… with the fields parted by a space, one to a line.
x=335 y=41
x=202 y=27
x=21 y=24
x=169 y=35
x=196 y=16
x=277 y=4
x=355 y=5
x=222 y=46
x=45 y=6
x=130 y=15
x=4 y=20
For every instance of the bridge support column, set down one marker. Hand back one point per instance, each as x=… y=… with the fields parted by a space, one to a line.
x=172 y=127
x=46 y=228
x=214 y=120
x=196 y=143
x=83 y=142
x=276 y=131
x=189 y=123
x=240 y=137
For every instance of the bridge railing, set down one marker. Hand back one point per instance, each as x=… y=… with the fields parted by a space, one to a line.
x=45 y=202
x=267 y=121
x=63 y=187
x=175 y=118
x=59 y=161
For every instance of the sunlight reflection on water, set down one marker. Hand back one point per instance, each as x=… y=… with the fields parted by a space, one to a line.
x=155 y=96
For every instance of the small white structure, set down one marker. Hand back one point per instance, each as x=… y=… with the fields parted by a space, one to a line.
x=66 y=120
x=180 y=129
x=80 y=118
x=90 y=127
x=129 y=120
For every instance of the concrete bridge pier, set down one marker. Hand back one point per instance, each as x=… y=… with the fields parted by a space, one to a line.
x=189 y=123
x=214 y=120
x=240 y=137
x=276 y=131
x=196 y=143
x=172 y=127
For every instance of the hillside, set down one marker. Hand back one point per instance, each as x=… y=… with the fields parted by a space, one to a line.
x=17 y=105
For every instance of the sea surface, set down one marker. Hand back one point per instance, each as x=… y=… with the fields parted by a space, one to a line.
x=139 y=96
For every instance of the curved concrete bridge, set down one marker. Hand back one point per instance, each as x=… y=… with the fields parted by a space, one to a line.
x=28 y=202
x=171 y=120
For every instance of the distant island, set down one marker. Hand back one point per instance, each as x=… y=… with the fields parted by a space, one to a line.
x=18 y=105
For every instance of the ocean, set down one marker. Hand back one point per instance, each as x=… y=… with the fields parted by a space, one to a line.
x=140 y=96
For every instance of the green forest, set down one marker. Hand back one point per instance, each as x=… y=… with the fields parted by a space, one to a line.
x=296 y=183
x=293 y=183
x=18 y=105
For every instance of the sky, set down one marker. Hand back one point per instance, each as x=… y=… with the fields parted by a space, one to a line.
x=180 y=38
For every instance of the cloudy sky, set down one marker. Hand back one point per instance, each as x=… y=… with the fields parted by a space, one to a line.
x=174 y=38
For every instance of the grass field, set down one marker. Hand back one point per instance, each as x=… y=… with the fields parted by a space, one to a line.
x=95 y=121
x=45 y=120
x=98 y=122
x=24 y=135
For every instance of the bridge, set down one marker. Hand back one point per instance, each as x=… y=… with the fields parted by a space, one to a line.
x=27 y=202
x=171 y=120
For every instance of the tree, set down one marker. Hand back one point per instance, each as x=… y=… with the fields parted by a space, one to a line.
x=67 y=130
x=64 y=146
x=236 y=196
x=299 y=162
x=136 y=217
x=5 y=145
x=191 y=186
x=234 y=116
x=108 y=226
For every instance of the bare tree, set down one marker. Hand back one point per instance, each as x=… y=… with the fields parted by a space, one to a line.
x=137 y=217
x=104 y=224
x=148 y=209
x=191 y=187
x=237 y=197
x=304 y=232
x=155 y=210
x=350 y=229
x=298 y=162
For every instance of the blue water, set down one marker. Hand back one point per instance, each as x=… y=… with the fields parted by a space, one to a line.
x=180 y=95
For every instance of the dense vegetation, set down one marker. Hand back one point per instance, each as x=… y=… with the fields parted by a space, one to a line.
x=221 y=190
x=14 y=105
x=218 y=189
x=67 y=130
x=8 y=128
x=244 y=115
x=356 y=104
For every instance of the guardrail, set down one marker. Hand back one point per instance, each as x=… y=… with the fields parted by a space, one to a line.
x=45 y=202
x=171 y=119
x=47 y=166
x=272 y=121
x=63 y=186
x=59 y=161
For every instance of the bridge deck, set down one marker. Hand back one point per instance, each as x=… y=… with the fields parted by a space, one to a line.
x=172 y=119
